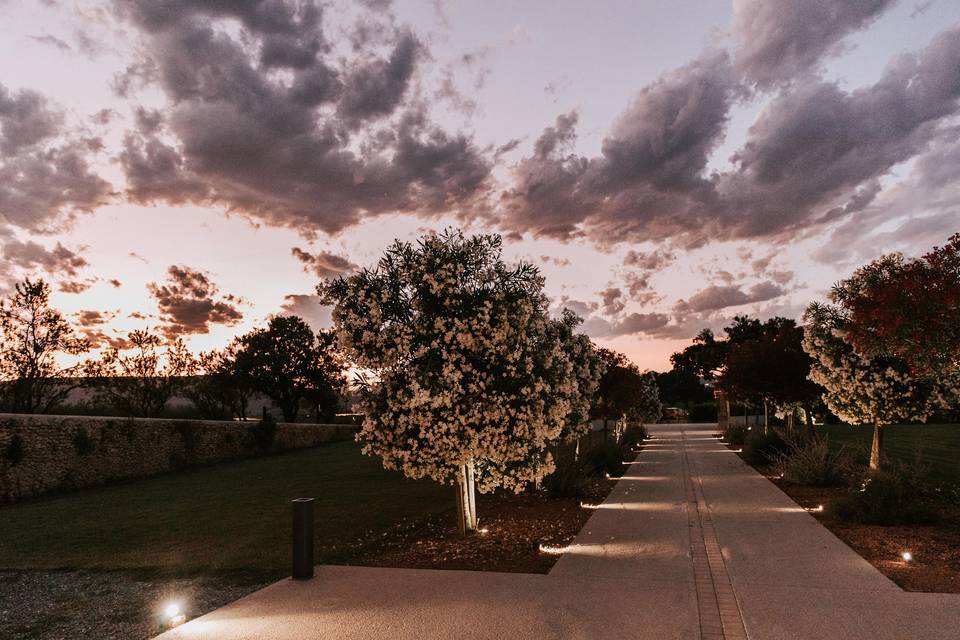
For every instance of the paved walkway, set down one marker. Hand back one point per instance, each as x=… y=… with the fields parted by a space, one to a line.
x=691 y=543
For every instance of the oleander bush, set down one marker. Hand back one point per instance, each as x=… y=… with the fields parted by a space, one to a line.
x=606 y=457
x=735 y=434
x=811 y=462
x=896 y=495
x=761 y=448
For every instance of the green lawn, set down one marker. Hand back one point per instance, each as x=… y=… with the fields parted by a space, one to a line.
x=232 y=518
x=938 y=445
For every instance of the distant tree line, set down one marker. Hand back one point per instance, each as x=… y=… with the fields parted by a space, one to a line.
x=286 y=361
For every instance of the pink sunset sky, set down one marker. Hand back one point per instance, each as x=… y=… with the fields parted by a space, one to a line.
x=197 y=166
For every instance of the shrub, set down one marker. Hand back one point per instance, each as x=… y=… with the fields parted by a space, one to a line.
x=633 y=437
x=606 y=457
x=14 y=452
x=763 y=448
x=263 y=434
x=811 y=462
x=735 y=434
x=896 y=495
x=83 y=443
x=569 y=479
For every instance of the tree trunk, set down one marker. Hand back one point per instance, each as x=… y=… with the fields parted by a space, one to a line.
x=466 y=499
x=876 y=449
x=576 y=451
x=766 y=421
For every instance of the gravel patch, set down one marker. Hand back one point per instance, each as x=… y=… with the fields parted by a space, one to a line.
x=65 y=605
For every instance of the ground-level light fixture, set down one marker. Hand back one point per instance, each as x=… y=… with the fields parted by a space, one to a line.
x=173 y=615
x=552 y=550
x=484 y=531
x=907 y=556
x=587 y=505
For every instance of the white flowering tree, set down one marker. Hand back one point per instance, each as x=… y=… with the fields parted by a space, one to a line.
x=470 y=380
x=876 y=391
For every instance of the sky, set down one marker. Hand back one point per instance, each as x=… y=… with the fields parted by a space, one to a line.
x=197 y=166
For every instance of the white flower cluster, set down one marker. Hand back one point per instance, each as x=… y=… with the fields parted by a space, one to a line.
x=469 y=366
x=863 y=390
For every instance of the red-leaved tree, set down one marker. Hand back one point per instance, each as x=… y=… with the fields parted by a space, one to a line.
x=907 y=308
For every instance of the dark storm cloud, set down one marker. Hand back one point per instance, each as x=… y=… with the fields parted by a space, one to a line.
x=189 y=302
x=779 y=40
x=324 y=263
x=44 y=172
x=30 y=255
x=649 y=180
x=289 y=148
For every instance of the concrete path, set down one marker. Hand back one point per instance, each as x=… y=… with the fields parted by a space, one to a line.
x=691 y=543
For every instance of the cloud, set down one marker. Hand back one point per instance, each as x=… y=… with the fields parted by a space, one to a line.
x=612 y=300
x=630 y=324
x=270 y=123
x=921 y=210
x=717 y=297
x=31 y=255
x=813 y=157
x=649 y=261
x=818 y=144
x=779 y=40
x=189 y=302
x=44 y=172
x=649 y=181
x=92 y=317
x=52 y=41
x=73 y=286
x=308 y=308
x=324 y=263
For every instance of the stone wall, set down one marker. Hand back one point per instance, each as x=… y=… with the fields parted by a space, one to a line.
x=42 y=454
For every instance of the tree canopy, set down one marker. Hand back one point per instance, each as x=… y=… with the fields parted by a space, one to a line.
x=32 y=334
x=469 y=377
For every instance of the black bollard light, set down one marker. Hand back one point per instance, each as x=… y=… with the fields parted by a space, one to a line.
x=302 y=538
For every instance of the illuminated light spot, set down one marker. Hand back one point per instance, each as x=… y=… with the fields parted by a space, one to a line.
x=816 y=509
x=484 y=531
x=173 y=616
x=584 y=505
x=738 y=450
x=907 y=556
x=555 y=551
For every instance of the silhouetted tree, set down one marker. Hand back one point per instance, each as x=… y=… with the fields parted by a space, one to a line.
x=222 y=387
x=142 y=382
x=291 y=364
x=33 y=334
